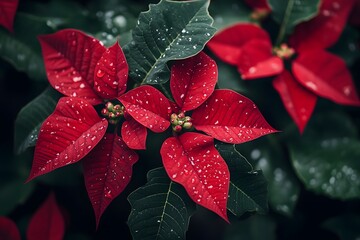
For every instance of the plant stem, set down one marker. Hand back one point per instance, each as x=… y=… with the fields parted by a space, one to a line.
x=284 y=23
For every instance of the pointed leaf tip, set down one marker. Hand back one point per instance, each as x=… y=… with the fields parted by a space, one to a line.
x=7 y=13
x=111 y=72
x=70 y=57
x=47 y=222
x=176 y=29
x=192 y=161
x=193 y=80
x=230 y=117
x=67 y=135
x=298 y=101
x=107 y=171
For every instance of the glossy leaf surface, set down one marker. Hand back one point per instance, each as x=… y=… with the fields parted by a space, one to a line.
x=335 y=83
x=192 y=161
x=107 y=171
x=170 y=30
x=193 y=80
x=67 y=135
x=230 y=117
x=30 y=118
x=161 y=209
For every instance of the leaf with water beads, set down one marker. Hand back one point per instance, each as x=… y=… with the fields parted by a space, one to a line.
x=193 y=80
x=67 y=135
x=7 y=13
x=170 y=30
x=30 y=118
x=248 y=188
x=230 y=117
x=148 y=106
x=298 y=101
x=47 y=222
x=324 y=30
x=107 y=171
x=8 y=229
x=335 y=83
x=161 y=209
x=192 y=161
x=70 y=57
x=111 y=73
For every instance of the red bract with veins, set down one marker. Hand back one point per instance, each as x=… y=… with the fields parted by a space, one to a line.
x=7 y=13
x=190 y=158
x=81 y=68
x=314 y=72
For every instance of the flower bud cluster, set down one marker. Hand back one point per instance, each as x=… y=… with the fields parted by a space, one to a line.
x=113 y=112
x=284 y=51
x=180 y=122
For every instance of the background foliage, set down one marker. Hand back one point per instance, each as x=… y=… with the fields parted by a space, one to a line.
x=313 y=179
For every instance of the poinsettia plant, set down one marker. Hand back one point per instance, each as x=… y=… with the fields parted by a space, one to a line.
x=145 y=129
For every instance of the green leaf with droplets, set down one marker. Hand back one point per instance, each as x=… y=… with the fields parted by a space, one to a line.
x=283 y=188
x=160 y=210
x=289 y=13
x=170 y=30
x=21 y=49
x=248 y=188
x=30 y=118
x=326 y=157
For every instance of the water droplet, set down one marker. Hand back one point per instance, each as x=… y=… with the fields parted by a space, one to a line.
x=100 y=73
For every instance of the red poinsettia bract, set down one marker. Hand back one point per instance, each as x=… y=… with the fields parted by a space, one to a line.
x=81 y=68
x=7 y=13
x=8 y=229
x=314 y=71
x=190 y=158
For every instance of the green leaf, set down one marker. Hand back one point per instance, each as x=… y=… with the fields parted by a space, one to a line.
x=22 y=49
x=30 y=118
x=345 y=226
x=326 y=157
x=12 y=194
x=248 y=188
x=160 y=210
x=284 y=188
x=170 y=30
x=289 y=13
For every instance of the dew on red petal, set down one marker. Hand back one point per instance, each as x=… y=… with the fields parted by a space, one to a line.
x=100 y=73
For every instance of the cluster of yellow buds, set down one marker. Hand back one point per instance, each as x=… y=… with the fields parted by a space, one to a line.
x=284 y=51
x=180 y=122
x=113 y=112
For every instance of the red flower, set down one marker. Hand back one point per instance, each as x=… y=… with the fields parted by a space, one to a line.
x=81 y=68
x=190 y=158
x=249 y=48
x=7 y=13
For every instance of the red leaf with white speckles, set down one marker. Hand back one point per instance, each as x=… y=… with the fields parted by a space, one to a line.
x=298 y=101
x=325 y=29
x=111 y=73
x=67 y=135
x=47 y=222
x=70 y=57
x=257 y=60
x=149 y=107
x=7 y=13
x=8 y=229
x=229 y=43
x=134 y=134
x=107 y=171
x=193 y=80
x=192 y=160
x=326 y=75
x=230 y=117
